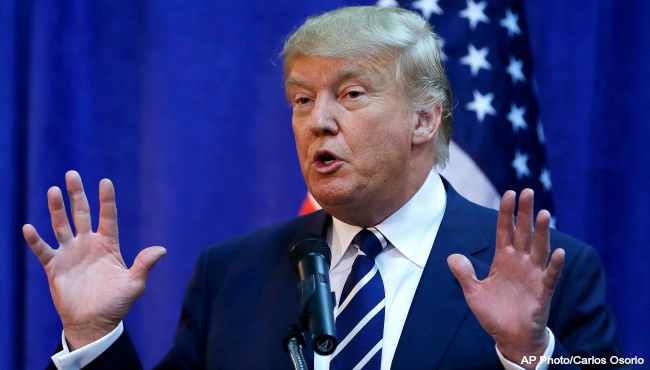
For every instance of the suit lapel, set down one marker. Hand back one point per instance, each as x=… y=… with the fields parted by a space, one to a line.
x=439 y=308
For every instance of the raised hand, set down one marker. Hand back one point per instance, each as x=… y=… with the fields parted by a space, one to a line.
x=512 y=302
x=90 y=284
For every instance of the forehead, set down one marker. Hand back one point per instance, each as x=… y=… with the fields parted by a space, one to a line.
x=308 y=70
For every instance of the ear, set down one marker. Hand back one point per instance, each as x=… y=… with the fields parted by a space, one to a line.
x=427 y=125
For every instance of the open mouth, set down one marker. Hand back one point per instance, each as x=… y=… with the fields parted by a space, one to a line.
x=326 y=158
x=326 y=162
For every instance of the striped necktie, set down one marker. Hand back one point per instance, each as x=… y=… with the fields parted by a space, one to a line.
x=360 y=313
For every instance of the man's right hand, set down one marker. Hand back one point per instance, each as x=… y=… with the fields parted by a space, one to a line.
x=90 y=284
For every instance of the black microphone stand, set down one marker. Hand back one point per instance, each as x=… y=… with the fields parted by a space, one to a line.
x=293 y=344
x=295 y=340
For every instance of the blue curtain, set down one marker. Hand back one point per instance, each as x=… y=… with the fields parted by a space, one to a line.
x=182 y=106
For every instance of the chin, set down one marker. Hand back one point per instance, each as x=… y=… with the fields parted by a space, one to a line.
x=332 y=193
x=329 y=199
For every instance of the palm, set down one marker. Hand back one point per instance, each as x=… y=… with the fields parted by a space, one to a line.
x=88 y=279
x=512 y=302
x=91 y=286
x=513 y=288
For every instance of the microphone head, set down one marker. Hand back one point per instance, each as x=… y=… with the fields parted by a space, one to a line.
x=309 y=245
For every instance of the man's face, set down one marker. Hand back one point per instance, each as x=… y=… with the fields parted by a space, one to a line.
x=353 y=133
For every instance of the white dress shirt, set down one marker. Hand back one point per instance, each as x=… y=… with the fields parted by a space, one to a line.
x=410 y=232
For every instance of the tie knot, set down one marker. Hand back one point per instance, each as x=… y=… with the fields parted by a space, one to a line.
x=369 y=243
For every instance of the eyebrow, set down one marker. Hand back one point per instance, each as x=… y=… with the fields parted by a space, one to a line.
x=339 y=77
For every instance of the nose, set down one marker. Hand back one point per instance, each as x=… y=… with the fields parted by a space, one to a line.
x=323 y=120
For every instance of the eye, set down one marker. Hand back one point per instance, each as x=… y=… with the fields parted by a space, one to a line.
x=354 y=94
x=302 y=100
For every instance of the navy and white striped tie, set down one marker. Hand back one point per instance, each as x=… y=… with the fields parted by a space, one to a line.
x=360 y=313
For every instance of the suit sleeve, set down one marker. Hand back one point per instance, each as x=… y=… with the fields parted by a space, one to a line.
x=580 y=317
x=188 y=351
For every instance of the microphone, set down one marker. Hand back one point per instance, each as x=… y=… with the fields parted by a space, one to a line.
x=311 y=256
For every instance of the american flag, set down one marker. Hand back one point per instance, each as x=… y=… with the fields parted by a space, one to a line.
x=498 y=139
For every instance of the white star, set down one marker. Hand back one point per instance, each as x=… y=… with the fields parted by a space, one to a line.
x=519 y=164
x=427 y=7
x=476 y=59
x=510 y=23
x=516 y=117
x=553 y=222
x=474 y=13
x=540 y=132
x=481 y=105
x=515 y=70
x=386 y=3
x=545 y=179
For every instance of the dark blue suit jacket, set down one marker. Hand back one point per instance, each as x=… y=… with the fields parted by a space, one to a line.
x=242 y=297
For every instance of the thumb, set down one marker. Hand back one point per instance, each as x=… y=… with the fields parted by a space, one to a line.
x=145 y=260
x=463 y=270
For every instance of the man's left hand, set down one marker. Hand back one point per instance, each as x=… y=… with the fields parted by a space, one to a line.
x=512 y=303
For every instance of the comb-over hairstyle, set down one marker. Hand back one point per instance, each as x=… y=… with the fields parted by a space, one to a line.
x=384 y=36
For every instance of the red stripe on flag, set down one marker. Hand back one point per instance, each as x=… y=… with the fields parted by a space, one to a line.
x=309 y=205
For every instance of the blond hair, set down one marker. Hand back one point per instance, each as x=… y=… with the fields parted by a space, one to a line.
x=380 y=35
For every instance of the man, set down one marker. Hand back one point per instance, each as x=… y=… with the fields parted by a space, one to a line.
x=371 y=119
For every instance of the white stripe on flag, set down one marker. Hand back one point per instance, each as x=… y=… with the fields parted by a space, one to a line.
x=468 y=179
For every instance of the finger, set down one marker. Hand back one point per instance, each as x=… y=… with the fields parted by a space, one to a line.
x=78 y=202
x=552 y=273
x=505 y=225
x=523 y=237
x=464 y=272
x=541 y=246
x=145 y=260
x=107 y=210
x=40 y=248
x=60 y=223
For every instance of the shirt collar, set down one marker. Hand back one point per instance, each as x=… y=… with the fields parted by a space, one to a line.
x=411 y=229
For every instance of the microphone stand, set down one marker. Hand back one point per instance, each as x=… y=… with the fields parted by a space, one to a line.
x=293 y=344
x=295 y=339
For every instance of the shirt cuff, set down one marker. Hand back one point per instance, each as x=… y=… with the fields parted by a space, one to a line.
x=541 y=365
x=75 y=360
